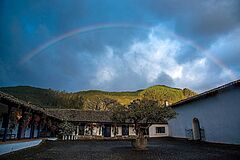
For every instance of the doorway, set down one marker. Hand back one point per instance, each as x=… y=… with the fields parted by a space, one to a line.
x=125 y=130
x=81 y=129
x=106 y=131
x=196 y=129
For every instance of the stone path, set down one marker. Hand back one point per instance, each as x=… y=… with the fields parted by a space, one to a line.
x=159 y=149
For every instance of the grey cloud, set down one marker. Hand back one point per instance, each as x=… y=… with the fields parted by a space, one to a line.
x=188 y=54
x=199 y=20
x=165 y=79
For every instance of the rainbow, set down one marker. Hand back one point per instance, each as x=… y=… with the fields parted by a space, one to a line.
x=96 y=27
x=75 y=32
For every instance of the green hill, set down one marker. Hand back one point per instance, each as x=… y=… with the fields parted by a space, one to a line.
x=94 y=99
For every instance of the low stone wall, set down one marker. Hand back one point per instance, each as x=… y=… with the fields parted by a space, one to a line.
x=10 y=147
x=94 y=137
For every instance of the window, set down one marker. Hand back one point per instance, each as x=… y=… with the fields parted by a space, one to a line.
x=125 y=130
x=160 y=129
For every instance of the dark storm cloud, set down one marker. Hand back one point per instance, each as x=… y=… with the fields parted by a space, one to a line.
x=199 y=20
x=227 y=49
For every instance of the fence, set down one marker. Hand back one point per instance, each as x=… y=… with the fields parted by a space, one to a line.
x=189 y=134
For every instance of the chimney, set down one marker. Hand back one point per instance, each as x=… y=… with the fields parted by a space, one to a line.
x=166 y=103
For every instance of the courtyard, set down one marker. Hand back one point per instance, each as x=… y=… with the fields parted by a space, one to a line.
x=158 y=149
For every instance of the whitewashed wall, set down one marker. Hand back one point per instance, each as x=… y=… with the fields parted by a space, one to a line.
x=152 y=130
x=119 y=131
x=218 y=115
x=119 y=128
x=97 y=131
x=27 y=132
x=132 y=131
x=112 y=131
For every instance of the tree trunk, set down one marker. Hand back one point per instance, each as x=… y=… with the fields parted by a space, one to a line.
x=140 y=143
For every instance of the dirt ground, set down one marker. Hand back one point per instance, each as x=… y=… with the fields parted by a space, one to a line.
x=158 y=149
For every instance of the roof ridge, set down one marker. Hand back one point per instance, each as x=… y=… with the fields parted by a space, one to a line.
x=18 y=101
x=72 y=109
x=206 y=92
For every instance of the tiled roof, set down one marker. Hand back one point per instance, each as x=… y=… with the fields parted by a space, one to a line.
x=13 y=100
x=61 y=114
x=208 y=93
x=75 y=115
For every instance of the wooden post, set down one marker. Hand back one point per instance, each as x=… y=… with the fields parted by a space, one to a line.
x=39 y=125
x=91 y=128
x=20 y=125
x=32 y=126
x=46 y=128
x=6 y=124
x=38 y=129
x=77 y=132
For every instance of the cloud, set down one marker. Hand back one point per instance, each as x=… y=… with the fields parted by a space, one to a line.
x=106 y=72
x=156 y=60
x=159 y=58
x=154 y=56
x=227 y=49
x=195 y=74
x=150 y=61
x=103 y=76
x=201 y=21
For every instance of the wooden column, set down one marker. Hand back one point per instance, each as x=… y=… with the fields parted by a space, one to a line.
x=38 y=129
x=91 y=128
x=77 y=133
x=6 y=124
x=20 y=125
x=32 y=126
x=46 y=128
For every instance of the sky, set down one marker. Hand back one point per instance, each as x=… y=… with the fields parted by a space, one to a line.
x=119 y=45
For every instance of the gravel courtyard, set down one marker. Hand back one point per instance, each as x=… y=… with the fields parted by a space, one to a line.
x=159 y=149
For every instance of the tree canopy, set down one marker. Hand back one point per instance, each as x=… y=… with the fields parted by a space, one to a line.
x=142 y=113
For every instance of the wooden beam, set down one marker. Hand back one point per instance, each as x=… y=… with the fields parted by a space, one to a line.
x=9 y=103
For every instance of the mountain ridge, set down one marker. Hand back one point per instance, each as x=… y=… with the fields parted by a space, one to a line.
x=94 y=99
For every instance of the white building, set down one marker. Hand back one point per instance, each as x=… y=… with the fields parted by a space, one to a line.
x=158 y=130
x=94 y=124
x=98 y=124
x=212 y=116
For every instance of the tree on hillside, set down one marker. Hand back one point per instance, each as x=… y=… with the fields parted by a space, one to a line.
x=163 y=94
x=188 y=93
x=142 y=113
x=99 y=103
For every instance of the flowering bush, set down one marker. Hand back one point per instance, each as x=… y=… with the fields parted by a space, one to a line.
x=66 y=128
x=26 y=119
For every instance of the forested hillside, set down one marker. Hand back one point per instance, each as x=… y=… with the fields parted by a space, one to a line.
x=94 y=99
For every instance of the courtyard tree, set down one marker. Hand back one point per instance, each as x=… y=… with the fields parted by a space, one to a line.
x=142 y=113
